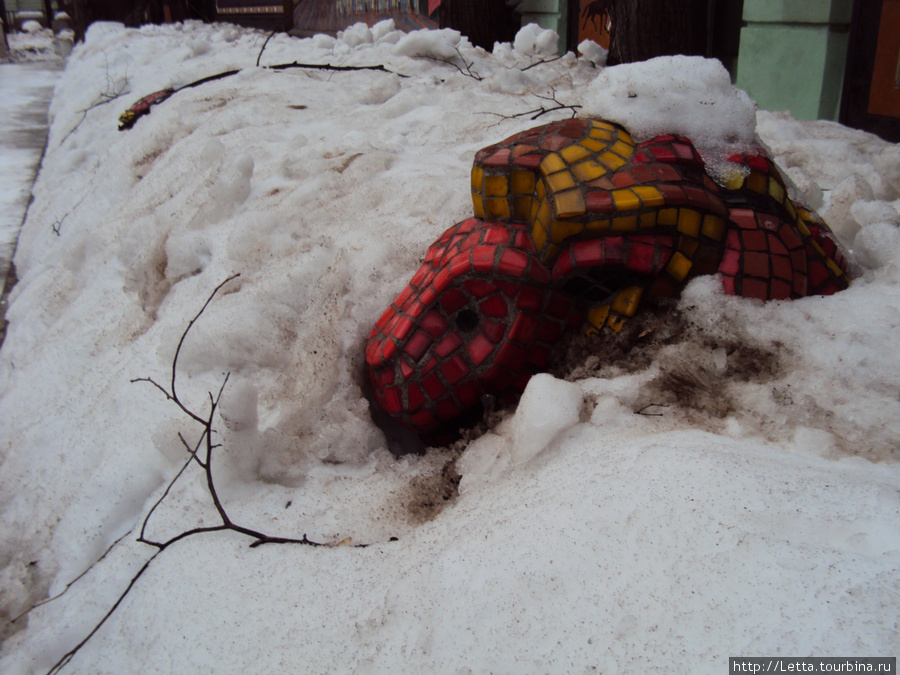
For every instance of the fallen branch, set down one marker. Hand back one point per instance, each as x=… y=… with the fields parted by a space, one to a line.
x=200 y=453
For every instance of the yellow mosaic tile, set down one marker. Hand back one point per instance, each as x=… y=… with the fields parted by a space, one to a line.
x=625 y=224
x=602 y=134
x=574 y=153
x=667 y=217
x=833 y=267
x=804 y=230
x=478 y=205
x=597 y=316
x=776 y=191
x=539 y=234
x=612 y=160
x=564 y=229
x=495 y=186
x=648 y=220
x=649 y=195
x=522 y=208
x=558 y=182
x=588 y=170
x=713 y=227
x=689 y=222
x=522 y=182
x=627 y=301
x=756 y=182
x=569 y=203
x=623 y=149
x=625 y=200
x=594 y=145
x=544 y=215
x=817 y=247
x=541 y=189
x=496 y=208
x=598 y=226
x=790 y=209
x=599 y=124
x=679 y=266
x=625 y=136
x=735 y=180
x=477 y=176
x=552 y=163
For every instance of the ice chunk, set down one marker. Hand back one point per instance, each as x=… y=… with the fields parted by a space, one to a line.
x=877 y=245
x=532 y=40
x=548 y=407
x=356 y=35
x=593 y=52
x=436 y=44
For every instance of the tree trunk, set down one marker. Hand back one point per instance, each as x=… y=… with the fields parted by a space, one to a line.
x=484 y=22
x=48 y=11
x=644 y=29
x=5 y=29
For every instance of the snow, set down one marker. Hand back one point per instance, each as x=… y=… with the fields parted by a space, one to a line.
x=750 y=506
x=686 y=95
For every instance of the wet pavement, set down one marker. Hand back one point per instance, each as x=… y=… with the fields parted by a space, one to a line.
x=25 y=93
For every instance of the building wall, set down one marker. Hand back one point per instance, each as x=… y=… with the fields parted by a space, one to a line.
x=792 y=55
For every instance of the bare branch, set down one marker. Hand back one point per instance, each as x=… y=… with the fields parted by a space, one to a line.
x=259 y=56
x=541 y=62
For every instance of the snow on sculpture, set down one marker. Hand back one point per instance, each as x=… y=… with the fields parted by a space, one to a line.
x=577 y=225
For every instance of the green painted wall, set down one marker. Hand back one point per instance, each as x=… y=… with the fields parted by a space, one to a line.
x=792 y=55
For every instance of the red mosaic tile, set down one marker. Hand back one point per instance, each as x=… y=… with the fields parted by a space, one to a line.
x=452 y=300
x=479 y=348
x=417 y=345
x=530 y=299
x=498 y=160
x=433 y=387
x=530 y=161
x=478 y=288
x=494 y=330
x=494 y=307
x=599 y=202
x=448 y=344
x=754 y=288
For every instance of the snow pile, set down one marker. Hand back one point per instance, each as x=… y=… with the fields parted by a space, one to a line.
x=761 y=462
x=859 y=172
x=686 y=95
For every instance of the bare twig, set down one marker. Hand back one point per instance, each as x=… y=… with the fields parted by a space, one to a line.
x=113 y=91
x=541 y=62
x=540 y=111
x=651 y=405
x=259 y=56
x=206 y=447
x=468 y=72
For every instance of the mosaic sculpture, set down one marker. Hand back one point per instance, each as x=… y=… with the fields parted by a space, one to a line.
x=128 y=118
x=577 y=225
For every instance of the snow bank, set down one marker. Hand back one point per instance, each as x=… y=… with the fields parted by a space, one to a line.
x=738 y=455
